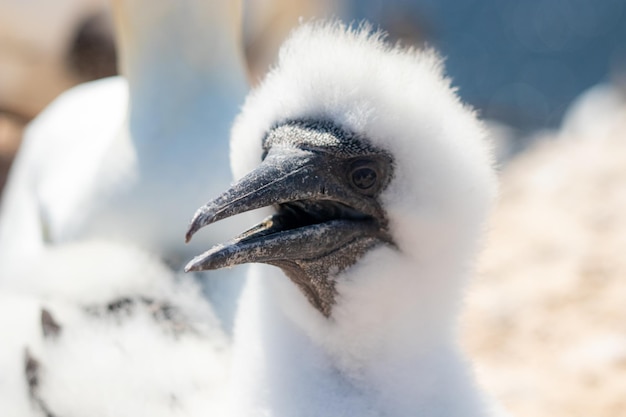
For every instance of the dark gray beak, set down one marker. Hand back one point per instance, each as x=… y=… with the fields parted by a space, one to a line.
x=316 y=213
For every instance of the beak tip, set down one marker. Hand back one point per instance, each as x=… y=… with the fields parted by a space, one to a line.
x=189 y=235
x=198 y=221
x=203 y=217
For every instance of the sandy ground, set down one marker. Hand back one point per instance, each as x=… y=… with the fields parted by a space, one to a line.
x=546 y=318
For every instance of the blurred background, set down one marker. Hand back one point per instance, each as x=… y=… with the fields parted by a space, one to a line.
x=546 y=319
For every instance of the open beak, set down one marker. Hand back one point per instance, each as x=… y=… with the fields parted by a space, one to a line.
x=316 y=214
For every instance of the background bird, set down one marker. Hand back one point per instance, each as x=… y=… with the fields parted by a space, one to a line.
x=112 y=161
x=380 y=181
x=88 y=262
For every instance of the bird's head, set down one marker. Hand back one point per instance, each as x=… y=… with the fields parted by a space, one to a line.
x=364 y=152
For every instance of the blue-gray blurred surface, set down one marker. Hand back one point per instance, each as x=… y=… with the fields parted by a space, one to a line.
x=518 y=61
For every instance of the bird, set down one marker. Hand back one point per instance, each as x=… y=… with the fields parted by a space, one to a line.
x=379 y=181
x=92 y=298
x=186 y=79
x=123 y=159
x=106 y=317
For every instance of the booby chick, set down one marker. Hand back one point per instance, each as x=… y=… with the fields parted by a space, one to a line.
x=380 y=181
x=109 y=330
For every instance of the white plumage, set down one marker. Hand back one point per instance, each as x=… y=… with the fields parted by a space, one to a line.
x=108 y=331
x=389 y=346
x=126 y=163
x=55 y=166
x=93 y=220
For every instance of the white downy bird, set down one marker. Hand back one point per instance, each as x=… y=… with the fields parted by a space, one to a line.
x=381 y=181
x=93 y=323
x=104 y=329
x=110 y=160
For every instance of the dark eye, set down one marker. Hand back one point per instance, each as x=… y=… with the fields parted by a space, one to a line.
x=364 y=176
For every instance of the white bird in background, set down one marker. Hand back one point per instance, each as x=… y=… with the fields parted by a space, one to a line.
x=126 y=162
x=94 y=322
x=381 y=181
x=186 y=80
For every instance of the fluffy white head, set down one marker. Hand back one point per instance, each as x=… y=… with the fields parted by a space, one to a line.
x=436 y=202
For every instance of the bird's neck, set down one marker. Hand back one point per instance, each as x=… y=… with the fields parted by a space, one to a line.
x=404 y=312
x=398 y=362
x=175 y=51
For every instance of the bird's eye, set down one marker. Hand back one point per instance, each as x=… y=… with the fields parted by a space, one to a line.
x=364 y=176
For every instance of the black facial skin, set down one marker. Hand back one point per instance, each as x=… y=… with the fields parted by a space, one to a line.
x=324 y=184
